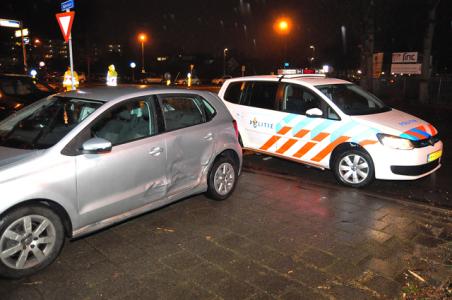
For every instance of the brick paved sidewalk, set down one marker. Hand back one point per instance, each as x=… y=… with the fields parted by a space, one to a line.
x=272 y=239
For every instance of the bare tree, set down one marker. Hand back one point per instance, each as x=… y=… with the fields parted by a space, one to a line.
x=368 y=43
x=426 y=61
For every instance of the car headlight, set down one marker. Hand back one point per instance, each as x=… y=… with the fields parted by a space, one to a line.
x=395 y=142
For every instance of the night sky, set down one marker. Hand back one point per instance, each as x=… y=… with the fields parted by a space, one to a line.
x=207 y=27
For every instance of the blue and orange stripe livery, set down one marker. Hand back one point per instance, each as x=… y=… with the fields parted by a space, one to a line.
x=420 y=132
x=317 y=135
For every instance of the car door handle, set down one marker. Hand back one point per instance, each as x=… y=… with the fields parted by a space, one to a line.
x=156 y=151
x=209 y=136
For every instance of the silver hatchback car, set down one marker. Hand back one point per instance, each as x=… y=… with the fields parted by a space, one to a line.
x=76 y=162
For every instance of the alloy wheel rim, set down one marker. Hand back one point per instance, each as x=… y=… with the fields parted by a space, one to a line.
x=27 y=242
x=224 y=179
x=354 y=168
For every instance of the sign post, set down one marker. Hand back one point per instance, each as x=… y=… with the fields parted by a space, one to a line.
x=65 y=20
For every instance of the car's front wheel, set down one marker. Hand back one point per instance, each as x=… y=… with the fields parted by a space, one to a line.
x=222 y=178
x=31 y=238
x=354 y=168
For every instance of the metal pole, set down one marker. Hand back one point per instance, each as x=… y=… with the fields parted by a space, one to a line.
x=142 y=57
x=24 y=50
x=71 y=61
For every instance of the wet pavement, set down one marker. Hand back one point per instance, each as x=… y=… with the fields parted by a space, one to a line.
x=275 y=238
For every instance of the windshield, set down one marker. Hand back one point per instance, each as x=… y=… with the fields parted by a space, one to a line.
x=44 y=123
x=353 y=100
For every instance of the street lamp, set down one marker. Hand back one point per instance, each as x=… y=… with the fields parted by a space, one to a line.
x=142 y=38
x=282 y=26
x=225 y=50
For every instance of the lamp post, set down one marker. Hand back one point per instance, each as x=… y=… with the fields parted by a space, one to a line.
x=225 y=50
x=283 y=26
x=142 y=38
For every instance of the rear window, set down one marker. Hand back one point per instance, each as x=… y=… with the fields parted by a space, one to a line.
x=261 y=94
x=234 y=92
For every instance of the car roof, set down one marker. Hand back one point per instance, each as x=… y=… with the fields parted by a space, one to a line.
x=312 y=79
x=110 y=93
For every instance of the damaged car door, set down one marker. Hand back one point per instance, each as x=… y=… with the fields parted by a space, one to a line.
x=190 y=139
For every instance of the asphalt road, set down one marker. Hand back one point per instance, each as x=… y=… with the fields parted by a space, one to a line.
x=273 y=239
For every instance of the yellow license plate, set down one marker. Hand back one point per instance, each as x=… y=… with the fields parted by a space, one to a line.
x=434 y=155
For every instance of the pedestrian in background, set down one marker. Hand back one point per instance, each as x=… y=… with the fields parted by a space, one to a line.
x=112 y=76
x=67 y=80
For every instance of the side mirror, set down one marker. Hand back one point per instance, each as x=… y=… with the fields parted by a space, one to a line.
x=314 y=112
x=96 y=146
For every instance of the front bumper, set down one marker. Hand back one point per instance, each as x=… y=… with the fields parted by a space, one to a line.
x=404 y=164
x=415 y=170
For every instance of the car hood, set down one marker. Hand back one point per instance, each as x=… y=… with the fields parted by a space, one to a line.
x=9 y=156
x=398 y=123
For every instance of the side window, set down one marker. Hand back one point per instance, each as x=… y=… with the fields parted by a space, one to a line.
x=126 y=122
x=261 y=94
x=234 y=92
x=182 y=111
x=298 y=100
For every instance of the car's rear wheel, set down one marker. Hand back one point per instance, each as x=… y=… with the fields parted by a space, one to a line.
x=31 y=238
x=354 y=168
x=222 y=178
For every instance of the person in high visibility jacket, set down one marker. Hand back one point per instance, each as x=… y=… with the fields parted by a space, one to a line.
x=112 y=76
x=67 y=80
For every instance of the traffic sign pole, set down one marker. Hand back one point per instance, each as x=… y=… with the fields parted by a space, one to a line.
x=71 y=60
x=65 y=21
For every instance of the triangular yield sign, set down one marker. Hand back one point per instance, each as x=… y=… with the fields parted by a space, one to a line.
x=65 y=20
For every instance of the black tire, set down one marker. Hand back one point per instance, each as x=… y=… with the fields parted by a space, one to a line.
x=352 y=175
x=222 y=178
x=30 y=242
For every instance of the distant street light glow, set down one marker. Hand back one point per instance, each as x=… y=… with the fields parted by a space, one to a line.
x=283 y=25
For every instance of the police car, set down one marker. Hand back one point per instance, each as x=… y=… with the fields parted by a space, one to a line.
x=331 y=124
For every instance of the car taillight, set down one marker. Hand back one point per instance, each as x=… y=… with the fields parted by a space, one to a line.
x=234 y=123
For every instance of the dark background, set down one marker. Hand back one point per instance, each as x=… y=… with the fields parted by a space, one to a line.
x=205 y=28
